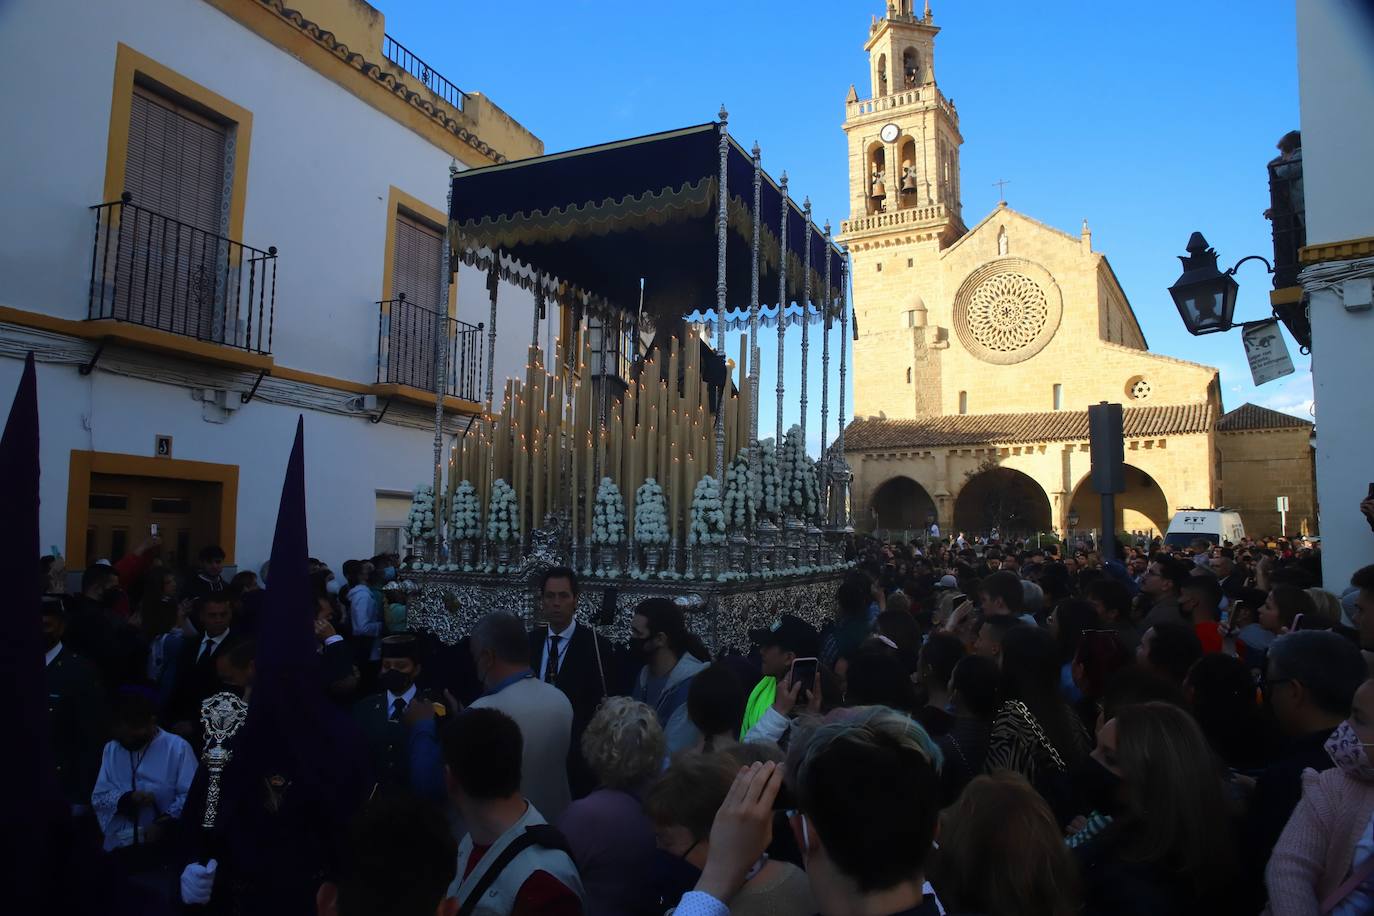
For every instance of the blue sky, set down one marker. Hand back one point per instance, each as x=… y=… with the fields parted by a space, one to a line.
x=1151 y=120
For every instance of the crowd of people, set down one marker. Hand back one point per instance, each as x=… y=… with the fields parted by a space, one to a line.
x=974 y=728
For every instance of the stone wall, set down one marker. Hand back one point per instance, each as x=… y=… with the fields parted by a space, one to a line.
x=1257 y=466
x=1183 y=467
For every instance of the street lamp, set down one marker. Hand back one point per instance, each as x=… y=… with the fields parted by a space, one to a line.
x=1073 y=518
x=1206 y=297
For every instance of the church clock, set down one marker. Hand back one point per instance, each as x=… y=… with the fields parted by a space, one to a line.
x=889 y=133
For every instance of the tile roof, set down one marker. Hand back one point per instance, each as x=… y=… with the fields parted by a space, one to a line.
x=1252 y=416
x=1005 y=429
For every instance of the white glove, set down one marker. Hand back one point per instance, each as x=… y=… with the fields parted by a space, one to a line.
x=197 y=881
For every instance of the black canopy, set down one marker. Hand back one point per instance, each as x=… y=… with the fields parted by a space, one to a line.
x=601 y=218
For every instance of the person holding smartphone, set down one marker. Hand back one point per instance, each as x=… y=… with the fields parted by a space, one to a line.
x=788 y=639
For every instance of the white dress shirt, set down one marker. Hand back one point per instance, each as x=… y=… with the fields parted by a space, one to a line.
x=564 y=638
x=406 y=697
x=52 y=654
x=213 y=643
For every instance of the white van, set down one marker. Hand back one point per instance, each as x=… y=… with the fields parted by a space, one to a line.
x=1215 y=525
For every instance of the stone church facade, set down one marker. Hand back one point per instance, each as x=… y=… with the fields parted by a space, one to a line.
x=980 y=349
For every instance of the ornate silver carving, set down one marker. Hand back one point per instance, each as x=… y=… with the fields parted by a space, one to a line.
x=721 y=613
x=221 y=717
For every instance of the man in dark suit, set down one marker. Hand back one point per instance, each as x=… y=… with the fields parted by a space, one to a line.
x=197 y=677
x=382 y=716
x=576 y=660
x=76 y=711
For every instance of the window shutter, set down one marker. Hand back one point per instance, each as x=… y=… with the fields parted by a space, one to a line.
x=415 y=268
x=173 y=268
x=175 y=163
x=416 y=263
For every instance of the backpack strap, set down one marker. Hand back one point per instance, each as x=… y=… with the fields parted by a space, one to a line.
x=1348 y=887
x=543 y=835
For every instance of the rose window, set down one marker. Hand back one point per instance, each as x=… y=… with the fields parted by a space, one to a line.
x=1007 y=311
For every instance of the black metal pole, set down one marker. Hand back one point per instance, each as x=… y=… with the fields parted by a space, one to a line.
x=1107 y=547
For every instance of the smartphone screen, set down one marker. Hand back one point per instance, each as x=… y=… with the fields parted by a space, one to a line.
x=803 y=672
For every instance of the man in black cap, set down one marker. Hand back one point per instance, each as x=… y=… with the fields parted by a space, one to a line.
x=381 y=716
x=788 y=639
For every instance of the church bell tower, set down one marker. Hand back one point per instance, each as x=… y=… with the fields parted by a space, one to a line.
x=904 y=208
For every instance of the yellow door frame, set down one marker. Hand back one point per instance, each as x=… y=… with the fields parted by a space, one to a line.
x=85 y=463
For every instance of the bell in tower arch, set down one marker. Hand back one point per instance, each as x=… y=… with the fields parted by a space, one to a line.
x=877 y=188
x=908 y=177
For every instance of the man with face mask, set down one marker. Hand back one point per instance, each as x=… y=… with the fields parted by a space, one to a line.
x=1310 y=683
x=76 y=710
x=381 y=717
x=145 y=775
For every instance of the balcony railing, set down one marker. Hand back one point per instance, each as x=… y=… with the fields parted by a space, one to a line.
x=157 y=272
x=401 y=56
x=405 y=349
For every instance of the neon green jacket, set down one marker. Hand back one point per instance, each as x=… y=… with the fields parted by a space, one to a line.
x=759 y=701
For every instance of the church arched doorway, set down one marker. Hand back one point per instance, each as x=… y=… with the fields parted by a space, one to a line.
x=900 y=506
x=1141 y=509
x=1004 y=499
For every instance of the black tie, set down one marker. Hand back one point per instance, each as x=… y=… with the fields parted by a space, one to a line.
x=205 y=649
x=551 y=670
x=398 y=706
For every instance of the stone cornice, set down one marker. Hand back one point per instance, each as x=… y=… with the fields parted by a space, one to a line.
x=378 y=75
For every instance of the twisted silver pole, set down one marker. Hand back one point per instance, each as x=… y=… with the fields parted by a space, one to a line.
x=441 y=328
x=844 y=349
x=782 y=303
x=825 y=373
x=721 y=228
x=806 y=315
x=493 y=278
x=754 y=312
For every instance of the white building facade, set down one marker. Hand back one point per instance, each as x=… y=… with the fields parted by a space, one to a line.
x=1336 y=89
x=278 y=255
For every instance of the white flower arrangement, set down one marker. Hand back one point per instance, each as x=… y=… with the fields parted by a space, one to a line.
x=811 y=488
x=420 y=521
x=651 y=515
x=608 y=518
x=465 y=522
x=798 y=482
x=763 y=480
x=708 y=515
x=736 y=502
x=503 y=515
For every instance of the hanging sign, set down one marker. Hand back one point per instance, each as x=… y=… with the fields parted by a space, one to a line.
x=1266 y=351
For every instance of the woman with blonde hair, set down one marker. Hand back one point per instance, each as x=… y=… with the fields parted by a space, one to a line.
x=1002 y=854
x=612 y=839
x=1328 y=608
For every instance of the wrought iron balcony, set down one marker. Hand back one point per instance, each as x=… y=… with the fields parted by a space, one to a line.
x=406 y=349
x=401 y=56
x=157 y=272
